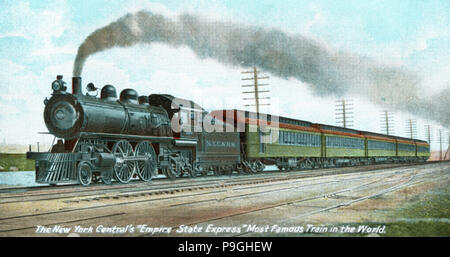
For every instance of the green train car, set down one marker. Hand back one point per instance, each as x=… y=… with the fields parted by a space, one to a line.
x=292 y=144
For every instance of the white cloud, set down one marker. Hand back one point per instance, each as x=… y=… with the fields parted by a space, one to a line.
x=15 y=34
x=49 y=49
x=21 y=104
x=38 y=26
x=9 y=68
x=318 y=19
x=160 y=68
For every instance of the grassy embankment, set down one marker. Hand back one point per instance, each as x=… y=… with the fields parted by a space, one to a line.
x=427 y=216
x=19 y=160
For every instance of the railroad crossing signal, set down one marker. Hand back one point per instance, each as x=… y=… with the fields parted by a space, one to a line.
x=387 y=122
x=256 y=89
x=343 y=112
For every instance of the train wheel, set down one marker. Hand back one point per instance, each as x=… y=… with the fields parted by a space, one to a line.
x=106 y=177
x=196 y=171
x=249 y=167
x=146 y=169
x=84 y=173
x=261 y=166
x=187 y=169
x=172 y=172
x=240 y=168
x=302 y=166
x=256 y=166
x=169 y=173
x=228 y=171
x=217 y=171
x=123 y=169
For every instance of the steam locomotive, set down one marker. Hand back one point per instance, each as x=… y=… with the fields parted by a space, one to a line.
x=105 y=138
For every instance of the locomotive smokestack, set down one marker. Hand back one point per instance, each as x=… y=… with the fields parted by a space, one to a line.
x=76 y=85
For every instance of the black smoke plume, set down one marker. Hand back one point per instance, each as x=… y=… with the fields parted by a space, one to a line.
x=328 y=72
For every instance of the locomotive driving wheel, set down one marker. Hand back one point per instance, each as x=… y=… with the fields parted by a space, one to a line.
x=124 y=168
x=146 y=169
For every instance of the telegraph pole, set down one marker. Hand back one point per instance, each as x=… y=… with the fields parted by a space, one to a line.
x=387 y=121
x=411 y=129
x=440 y=143
x=256 y=89
x=428 y=133
x=448 y=148
x=344 y=109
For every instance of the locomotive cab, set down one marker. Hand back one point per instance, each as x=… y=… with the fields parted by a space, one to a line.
x=186 y=117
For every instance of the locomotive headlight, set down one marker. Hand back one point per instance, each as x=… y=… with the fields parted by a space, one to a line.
x=56 y=85
x=59 y=85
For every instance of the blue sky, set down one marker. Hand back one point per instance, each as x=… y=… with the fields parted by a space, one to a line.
x=39 y=39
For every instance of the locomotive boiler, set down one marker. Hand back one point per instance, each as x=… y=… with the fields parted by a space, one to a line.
x=68 y=115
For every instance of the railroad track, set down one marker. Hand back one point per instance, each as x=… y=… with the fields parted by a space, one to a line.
x=9 y=195
x=277 y=205
x=287 y=180
x=404 y=181
x=16 y=218
x=163 y=192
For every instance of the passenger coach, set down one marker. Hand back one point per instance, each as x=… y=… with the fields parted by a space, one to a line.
x=290 y=143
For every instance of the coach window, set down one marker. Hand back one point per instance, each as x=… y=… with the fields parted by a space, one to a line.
x=262 y=145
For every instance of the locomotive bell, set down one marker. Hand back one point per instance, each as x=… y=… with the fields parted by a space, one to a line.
x=91 y=87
